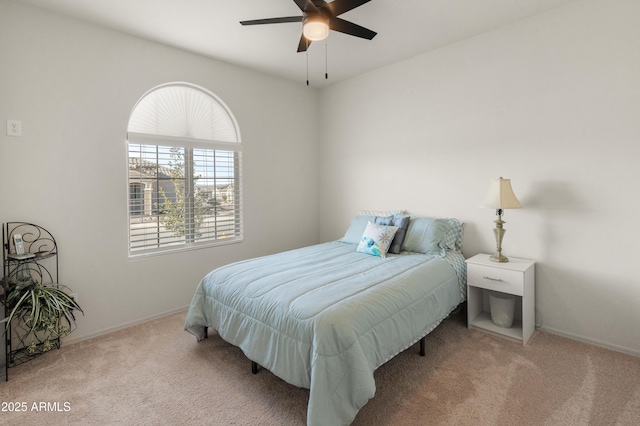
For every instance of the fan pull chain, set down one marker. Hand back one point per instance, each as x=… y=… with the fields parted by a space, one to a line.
x=326 y=59
x=307 y=53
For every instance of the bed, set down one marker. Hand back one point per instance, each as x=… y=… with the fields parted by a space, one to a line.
x=325 y=317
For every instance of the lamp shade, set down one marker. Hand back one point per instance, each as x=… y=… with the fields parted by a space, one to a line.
x=501 y=196
x=315 y=28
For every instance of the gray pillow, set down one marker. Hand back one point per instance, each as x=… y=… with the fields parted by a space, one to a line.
x=402 y=222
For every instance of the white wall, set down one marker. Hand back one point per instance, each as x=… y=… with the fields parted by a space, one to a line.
x=73 y=85
x=553 y=103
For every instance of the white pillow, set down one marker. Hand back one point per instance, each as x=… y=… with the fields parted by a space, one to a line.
x=376 y=239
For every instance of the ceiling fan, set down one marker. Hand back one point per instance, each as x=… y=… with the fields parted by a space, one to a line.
x=318 y=17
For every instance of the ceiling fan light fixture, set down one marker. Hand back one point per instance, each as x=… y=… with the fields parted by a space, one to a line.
x=315 y=28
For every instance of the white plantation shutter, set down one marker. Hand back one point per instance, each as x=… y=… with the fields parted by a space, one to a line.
x=184 y=171
x=183 y=111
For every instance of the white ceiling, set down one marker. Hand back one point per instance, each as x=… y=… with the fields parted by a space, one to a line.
x=405 y=28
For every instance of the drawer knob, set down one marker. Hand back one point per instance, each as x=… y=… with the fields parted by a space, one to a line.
x=493 y=279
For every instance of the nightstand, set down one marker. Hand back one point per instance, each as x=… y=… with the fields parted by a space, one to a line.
x=516 y=277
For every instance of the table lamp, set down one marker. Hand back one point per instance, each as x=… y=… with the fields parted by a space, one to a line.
x=500 y=197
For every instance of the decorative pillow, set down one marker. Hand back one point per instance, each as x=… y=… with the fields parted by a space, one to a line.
x=426 y=235
x=359 y=223
x=376 y=239
x=402 y=222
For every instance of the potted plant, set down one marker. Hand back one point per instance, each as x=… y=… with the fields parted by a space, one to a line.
x=44 y=313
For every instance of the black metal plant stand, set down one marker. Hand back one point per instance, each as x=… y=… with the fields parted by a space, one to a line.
x=40 y=264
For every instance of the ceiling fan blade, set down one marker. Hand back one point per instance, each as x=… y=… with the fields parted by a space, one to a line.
x=282 y=20
x=306 y=6
x=338 y=7
x=350 y=28
x=304 y=44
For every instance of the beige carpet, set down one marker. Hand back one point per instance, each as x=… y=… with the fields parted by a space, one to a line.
x=157 y=374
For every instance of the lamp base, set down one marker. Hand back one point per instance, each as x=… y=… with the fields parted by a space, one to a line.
x=498 y=257
x=499 y=231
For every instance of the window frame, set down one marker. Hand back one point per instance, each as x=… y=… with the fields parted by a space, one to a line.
x=188 y=146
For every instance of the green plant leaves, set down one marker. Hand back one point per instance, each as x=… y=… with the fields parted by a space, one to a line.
x=42 y=307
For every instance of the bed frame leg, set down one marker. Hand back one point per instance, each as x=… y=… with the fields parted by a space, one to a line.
x=254 y=367
x=422 y=351
x=206 y=332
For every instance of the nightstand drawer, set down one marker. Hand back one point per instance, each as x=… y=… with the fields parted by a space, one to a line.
x=504 y=280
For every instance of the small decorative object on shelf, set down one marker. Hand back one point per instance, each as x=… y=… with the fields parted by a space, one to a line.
x=39 y=311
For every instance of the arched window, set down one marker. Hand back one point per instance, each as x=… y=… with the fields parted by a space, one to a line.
x=184 y=171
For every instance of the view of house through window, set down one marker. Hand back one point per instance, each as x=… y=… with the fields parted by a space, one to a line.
x=184 y=171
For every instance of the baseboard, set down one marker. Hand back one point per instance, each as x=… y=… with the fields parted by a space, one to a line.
x=73 y=339
x=69 y=340
x=594 y=342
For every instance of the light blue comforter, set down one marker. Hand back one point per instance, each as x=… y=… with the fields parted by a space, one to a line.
x=325 y=317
